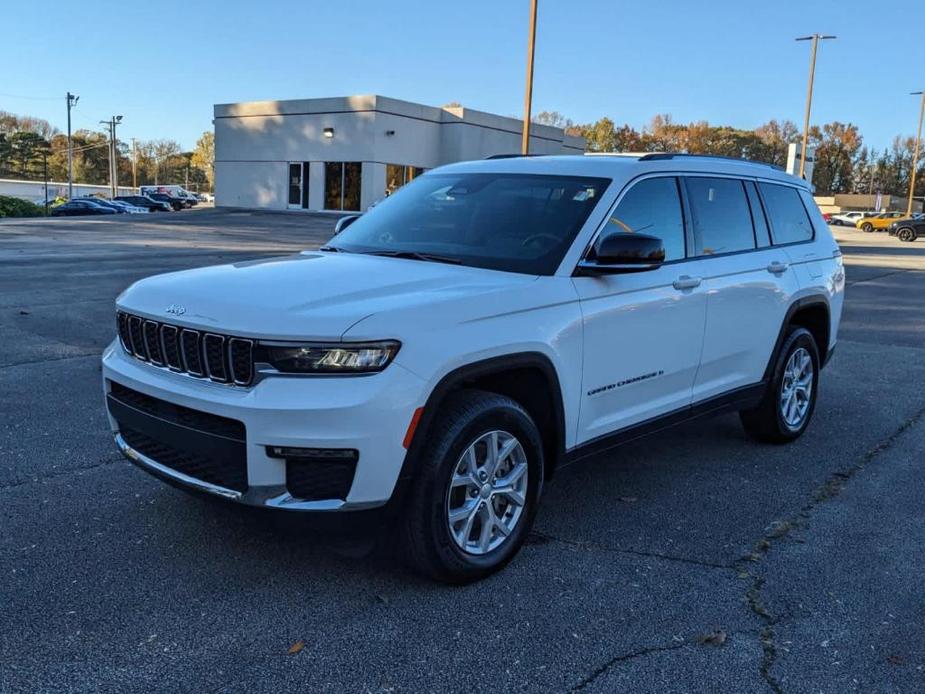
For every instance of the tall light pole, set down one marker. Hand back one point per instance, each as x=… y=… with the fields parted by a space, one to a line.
x=915 y=154
x=528 y=96
x=113 y=169
x=71 y=101
x=815 y=38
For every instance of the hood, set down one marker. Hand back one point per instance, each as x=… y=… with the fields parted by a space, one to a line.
x=309 y=296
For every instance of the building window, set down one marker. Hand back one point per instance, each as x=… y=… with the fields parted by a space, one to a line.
x=397 y=175
x=342 y=185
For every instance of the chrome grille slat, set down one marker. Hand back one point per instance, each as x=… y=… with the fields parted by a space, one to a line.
x=125 y=336
x=136 y=334
x=153 y=342
x=220 y=358
x=241 y=360
x=169 y=335
x=213 y=348
x=191 y=349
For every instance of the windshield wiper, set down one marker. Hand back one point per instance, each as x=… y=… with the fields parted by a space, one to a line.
x=414 y=255
x=332 y=249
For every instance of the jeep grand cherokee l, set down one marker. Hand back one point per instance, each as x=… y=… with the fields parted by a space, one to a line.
x=492 y=320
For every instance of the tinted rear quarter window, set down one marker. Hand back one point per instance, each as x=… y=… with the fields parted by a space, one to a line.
x=721 y=217
x=790 y=222
x=653 y=207
x=762 y=233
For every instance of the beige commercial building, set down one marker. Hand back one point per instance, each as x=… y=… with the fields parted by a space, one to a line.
x=345 y=153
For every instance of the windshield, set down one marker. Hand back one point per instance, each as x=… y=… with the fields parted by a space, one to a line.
x=513 y=222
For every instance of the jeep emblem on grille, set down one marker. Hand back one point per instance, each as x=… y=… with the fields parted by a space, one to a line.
x=176 y=309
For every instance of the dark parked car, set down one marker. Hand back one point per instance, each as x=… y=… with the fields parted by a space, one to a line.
x=145 y=201
x=910 y=229
x=119 y=209
x=175 y=203
x=79 y=208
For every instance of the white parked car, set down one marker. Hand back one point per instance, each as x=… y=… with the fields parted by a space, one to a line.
x=850 y=218
x=446 y=352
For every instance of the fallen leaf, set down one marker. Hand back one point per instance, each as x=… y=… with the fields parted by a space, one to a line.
x=381 y=598
x=716 y=638
x=628 y=499
x=895 y=659
x=23 y=313
x=295 y=648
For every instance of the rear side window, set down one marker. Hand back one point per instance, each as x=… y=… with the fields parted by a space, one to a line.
x=653 y=207
x=722 y=219
x=790 y=222
x=762 y=233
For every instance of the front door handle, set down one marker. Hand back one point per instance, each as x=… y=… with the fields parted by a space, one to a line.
x=778 y=267
x=687 y=282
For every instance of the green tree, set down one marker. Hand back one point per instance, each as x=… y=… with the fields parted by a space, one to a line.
x=203 y=157
x=837 y=146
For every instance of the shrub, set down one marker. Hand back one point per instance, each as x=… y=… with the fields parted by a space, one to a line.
x=17 y=207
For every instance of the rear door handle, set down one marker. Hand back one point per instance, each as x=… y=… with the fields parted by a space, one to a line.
x=686 y=282
x=778 y=267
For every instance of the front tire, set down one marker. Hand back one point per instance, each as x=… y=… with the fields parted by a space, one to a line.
x=906 y=234
x=477 y=489
x=790 y=399
x=867 y=227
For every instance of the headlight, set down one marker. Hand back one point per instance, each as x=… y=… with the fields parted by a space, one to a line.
x=346 y=358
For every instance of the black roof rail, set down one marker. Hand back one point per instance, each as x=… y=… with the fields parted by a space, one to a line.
x=511 y=156
x=657 y=156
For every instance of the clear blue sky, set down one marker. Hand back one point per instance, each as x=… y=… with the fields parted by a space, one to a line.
x=163 y=64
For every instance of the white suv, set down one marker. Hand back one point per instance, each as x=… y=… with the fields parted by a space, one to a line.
x=488 y=323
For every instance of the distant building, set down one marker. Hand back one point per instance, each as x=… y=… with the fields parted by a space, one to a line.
x=345 y=153
x=847 y=202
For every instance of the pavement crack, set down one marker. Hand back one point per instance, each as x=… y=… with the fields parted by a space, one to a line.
x=642 y=652
x=63 y=473
x=588 y=545
x=51 y=359
x=781 y=530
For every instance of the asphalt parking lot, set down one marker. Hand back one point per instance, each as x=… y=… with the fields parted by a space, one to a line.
x=695 y=561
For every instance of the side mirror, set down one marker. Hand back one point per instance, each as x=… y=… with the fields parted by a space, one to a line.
x=345 y=222
x=621 y=252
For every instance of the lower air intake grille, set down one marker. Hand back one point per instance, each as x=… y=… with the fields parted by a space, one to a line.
x=224 y=473
x=319 y=480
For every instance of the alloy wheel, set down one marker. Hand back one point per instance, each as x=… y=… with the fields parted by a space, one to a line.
x=796 y=388
x=487 y=492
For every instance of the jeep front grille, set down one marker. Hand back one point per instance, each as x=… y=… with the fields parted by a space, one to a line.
x=219 y=358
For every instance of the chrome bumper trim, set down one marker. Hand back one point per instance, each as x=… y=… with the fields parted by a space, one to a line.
x=274 y=496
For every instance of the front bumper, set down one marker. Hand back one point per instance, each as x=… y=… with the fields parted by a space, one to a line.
x=368 y=414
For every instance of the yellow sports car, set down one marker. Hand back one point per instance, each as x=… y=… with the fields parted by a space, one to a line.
x=880 y=222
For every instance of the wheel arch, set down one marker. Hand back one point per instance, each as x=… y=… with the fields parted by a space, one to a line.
x=812 y=313
x=529 y=378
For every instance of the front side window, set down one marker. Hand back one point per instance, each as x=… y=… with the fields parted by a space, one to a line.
x=513 y=222
x=653 y=207
x=789 y=221
x=721 y=217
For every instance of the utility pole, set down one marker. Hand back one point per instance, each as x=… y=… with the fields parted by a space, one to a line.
x=915 y=155
x=71 y=101
x=809 y=95
x=528 y=96
x=113 y=163
x=45 y=176
x=135 y=163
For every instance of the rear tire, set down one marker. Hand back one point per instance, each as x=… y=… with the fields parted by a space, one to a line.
x=790 y=399
x=454 y=499
x=906 y=234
